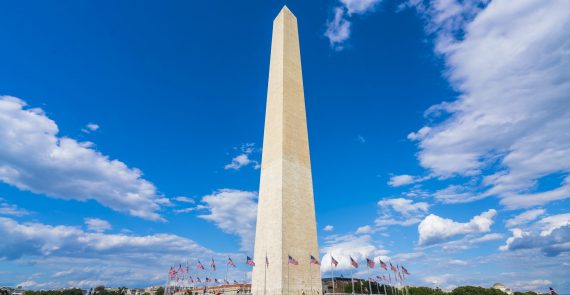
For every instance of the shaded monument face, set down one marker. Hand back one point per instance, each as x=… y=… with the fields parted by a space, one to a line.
x=286 y=214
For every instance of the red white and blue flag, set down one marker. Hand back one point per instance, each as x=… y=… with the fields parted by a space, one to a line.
x=231 y=262
x=314 y=260
x=383 y=265
x=236 y=282
x=293 y=261
x=378 y=278
x=180 y=270
x=353 y=262
x=334 y=262
x=190 y=279
x=187 y=269
x=208 y=279
x=250 y=261
x=406 y=272
x=226 y=282
x=371 y=280
x=213 y=264
x=370 y=263
x=200 y=265
x=392 y=268
x=198 y=280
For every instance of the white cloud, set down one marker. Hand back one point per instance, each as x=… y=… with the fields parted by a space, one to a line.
x=243 y=159
x=328 y=228
x=524 y=217
x=11 y=209
x=97 y=225
x=551 y=235
x=338 y=28
x=507 y=126
x=234 y=212
x=366 y=229
x=90 y=127
x=434 y=229
x=457 y=262
x=456 y=194
x=66 y=256
x=400 y=211
x=184 y=200
x=400 y=180
x=342 y=247
x=36 y=239
x=34 y=158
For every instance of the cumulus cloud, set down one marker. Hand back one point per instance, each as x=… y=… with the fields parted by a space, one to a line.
x=434 y=229
x=34 y=158
x=67 y=256
x=97 y=225
x=234 y=212
x=338 y=27
x=243 y=159
x=36 y=239
x=400 y=211
x=341 y=248
x=508 y=124
x=328 y=228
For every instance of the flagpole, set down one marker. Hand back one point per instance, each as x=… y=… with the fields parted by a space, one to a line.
x=352 y=279
x=288 y=277
x=310 y=277
x=332 y=273
x=369 y=282
x=265 y=276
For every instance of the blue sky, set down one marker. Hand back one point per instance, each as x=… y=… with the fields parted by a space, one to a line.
x=130 y=137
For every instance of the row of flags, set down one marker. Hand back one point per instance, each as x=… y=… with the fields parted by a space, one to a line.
x=399 y=271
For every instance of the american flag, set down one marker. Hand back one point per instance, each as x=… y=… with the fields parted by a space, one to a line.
x=371 y=280
x=384 y=277
x=187 y=269
x=200 y=265
x=226 y=282
x=405 y=271
x=236 y=282
x=208 y=279
x=250 y=261
x=370 y=263
x=383 y=265
x=392 y=268
x=180 y=270
x=213 y=264
x=231 y=262
x=172 y=272
x=216 y=281
x=314 y=260
x=353 y=262
x=333 y=261
x=293 y=261
x=198 y=280
x=378 y=278
x=190 y=279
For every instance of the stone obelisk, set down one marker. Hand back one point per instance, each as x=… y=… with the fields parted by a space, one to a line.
x=286 y=222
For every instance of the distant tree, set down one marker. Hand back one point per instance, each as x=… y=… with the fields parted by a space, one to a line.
x=99 y=288
x=159 y=291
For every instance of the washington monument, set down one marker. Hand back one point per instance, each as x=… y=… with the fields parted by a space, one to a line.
x=286 y=223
